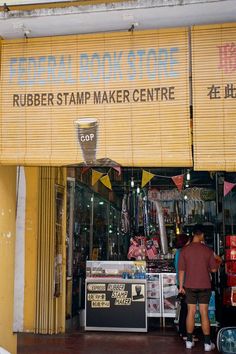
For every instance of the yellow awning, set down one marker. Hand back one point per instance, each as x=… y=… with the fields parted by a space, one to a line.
x=214 y=97
x=118 y=96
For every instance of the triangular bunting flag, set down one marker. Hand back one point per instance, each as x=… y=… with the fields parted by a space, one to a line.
x=106 y=181
x=96 y=175
x=146 y=177
x=178 y=181
x=118 y=169
x=227 y=187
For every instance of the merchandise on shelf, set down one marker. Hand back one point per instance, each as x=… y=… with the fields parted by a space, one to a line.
x=230 y=269
x=229 y=296
x=211 y=315
x=230 y=241
x=212 y=303
x=116 y=269
x=160 y=266
x=153 y=306
x=231 y=279
x=141 y=248
x=230 y=254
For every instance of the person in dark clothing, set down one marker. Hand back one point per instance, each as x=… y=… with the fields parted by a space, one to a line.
x=196 y=262
x=182 y=240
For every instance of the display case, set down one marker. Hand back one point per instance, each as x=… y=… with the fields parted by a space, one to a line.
x=154 y=295
x=161 y=295
x=115 y=295
x=169 y=293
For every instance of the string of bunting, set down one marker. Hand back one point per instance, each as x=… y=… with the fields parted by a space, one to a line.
x=147 y=176
x=102 y=177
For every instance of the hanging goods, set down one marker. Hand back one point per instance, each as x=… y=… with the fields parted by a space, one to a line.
x=145 y=217
x=162 y=228
x=124 y=216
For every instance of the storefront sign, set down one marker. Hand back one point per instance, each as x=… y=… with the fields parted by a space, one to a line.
x=118 y=98
x=214 y=97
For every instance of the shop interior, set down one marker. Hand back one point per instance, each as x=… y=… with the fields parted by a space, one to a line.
x=105 y=224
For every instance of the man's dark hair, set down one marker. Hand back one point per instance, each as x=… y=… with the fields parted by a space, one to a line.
x=181 y=241
x=198 y=229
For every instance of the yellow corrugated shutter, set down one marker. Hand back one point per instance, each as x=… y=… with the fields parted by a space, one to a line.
x=50 y=282
x=214 y=97
x=125 y=96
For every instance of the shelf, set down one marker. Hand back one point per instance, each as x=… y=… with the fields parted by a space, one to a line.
x=154 y=315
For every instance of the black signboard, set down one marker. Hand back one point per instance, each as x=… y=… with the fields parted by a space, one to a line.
x=116 y=305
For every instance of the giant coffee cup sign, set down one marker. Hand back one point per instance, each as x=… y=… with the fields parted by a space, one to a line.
x=87 y=130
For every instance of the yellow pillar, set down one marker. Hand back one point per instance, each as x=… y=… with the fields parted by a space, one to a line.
x=32 y=186
x=8 y=340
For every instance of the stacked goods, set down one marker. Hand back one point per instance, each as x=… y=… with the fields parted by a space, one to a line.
x=230 y=257
x=141 y=248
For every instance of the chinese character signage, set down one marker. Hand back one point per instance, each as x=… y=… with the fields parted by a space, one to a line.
x=214 y=97
x=97 y=99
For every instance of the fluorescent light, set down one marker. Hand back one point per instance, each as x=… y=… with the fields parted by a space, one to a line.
x=132 y=182
x=188 y=176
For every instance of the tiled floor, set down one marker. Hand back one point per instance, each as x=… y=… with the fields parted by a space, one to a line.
x=156 y=341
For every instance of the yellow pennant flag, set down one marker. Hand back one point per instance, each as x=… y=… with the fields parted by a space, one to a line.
x=106 y=181
x=96 y=175
x=146 y=177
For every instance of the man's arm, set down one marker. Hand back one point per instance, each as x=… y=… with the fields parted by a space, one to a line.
x=181 y=281
x=215 y=264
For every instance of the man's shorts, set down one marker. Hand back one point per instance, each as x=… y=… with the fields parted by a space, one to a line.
x=200 y=296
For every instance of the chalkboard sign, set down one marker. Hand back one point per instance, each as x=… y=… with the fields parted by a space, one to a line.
x=116 y=305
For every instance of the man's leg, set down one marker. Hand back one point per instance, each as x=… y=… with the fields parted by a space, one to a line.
x=191 y=300
x=204 y=298
x=190 y=322
x=203 y=308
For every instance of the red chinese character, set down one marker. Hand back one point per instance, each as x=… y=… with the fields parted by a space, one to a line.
x=227 y=56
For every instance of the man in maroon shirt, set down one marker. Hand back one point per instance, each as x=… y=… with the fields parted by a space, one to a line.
x=196 y=262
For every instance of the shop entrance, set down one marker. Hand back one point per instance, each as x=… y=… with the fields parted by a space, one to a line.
x=129 y=219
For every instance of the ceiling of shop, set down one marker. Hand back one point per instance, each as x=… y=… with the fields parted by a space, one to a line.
x=115 y=16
